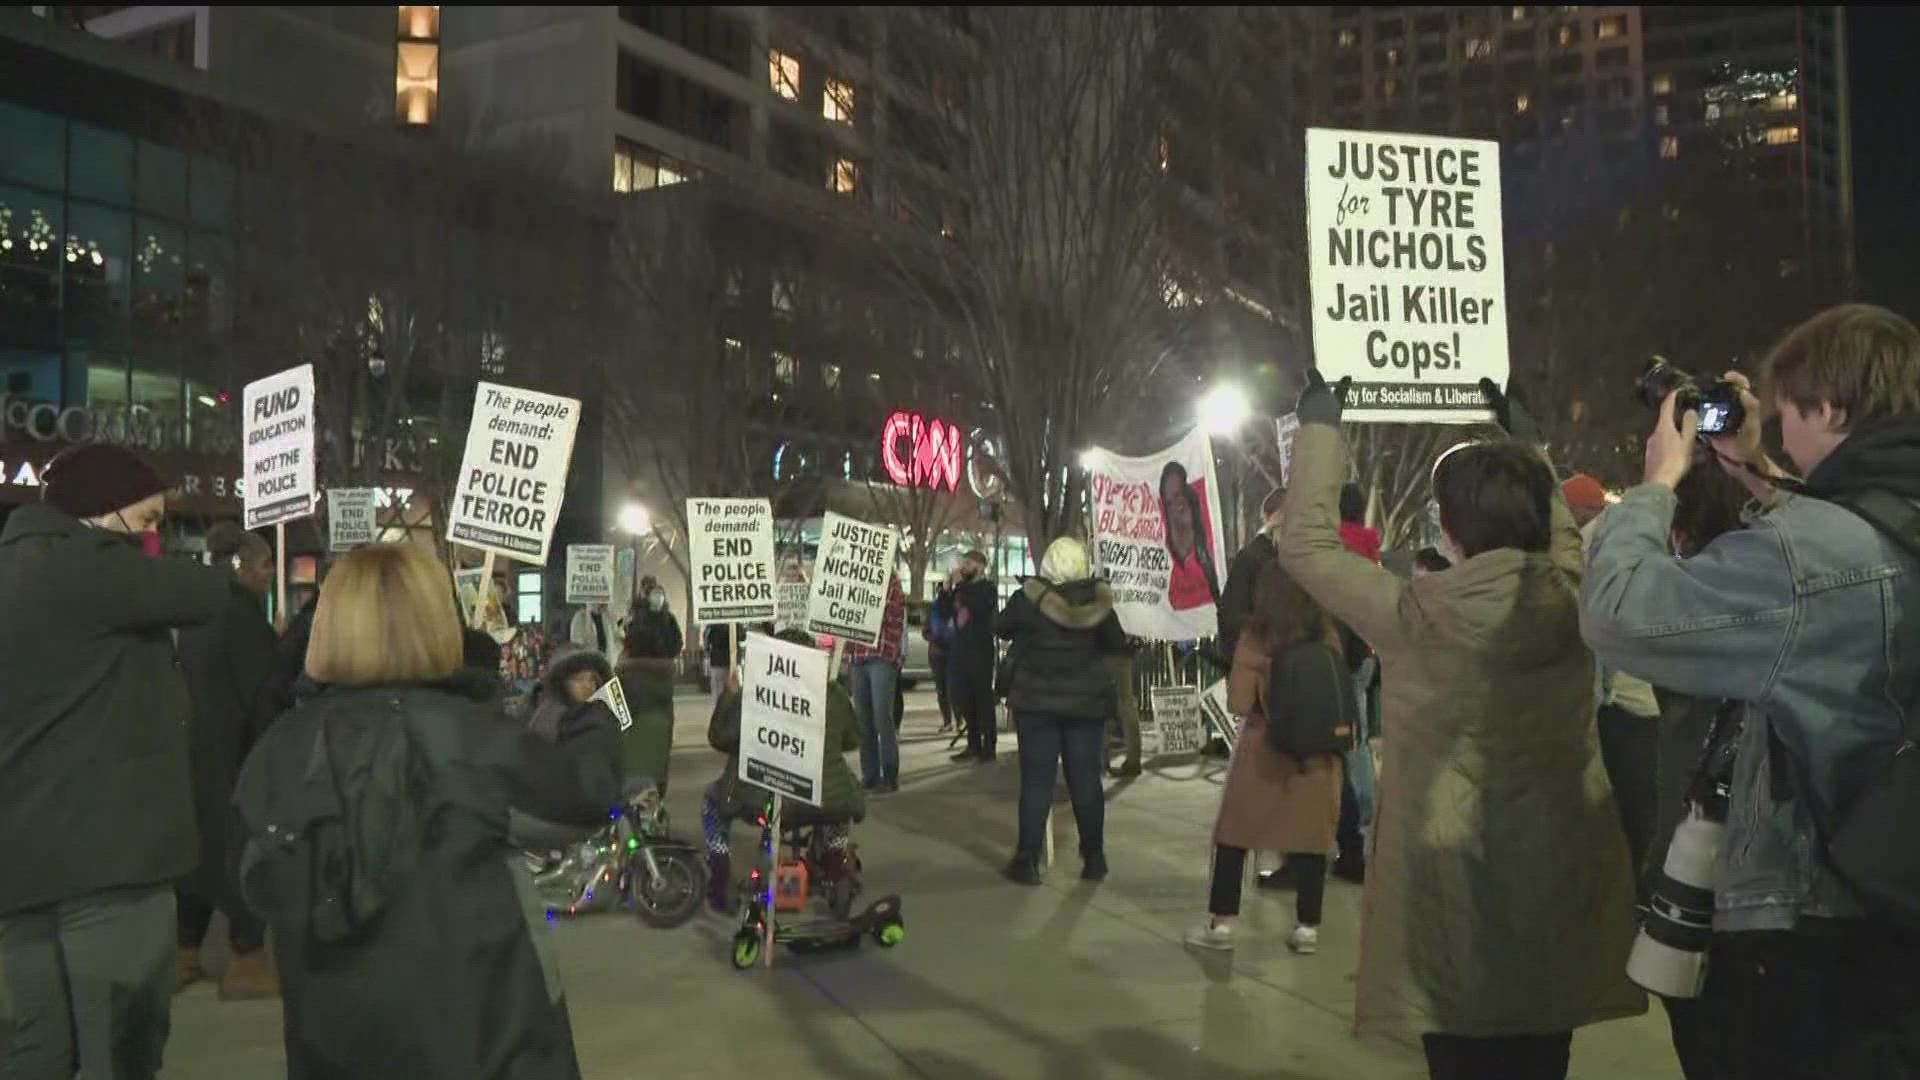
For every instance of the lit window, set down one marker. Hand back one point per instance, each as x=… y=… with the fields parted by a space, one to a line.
x=1783 y=135
x=528 y=594
x=783 y=74
x=1661 y=117
x=1713 y=110
x=1164 y=152
x=1479 y=48
x=1786 y=101
x=784 y=369
x=830 y=374
x=416 y=81
x=1521 y=103
x=837 y=103
x=420 y=22
x=622 y=172
x=1609 y=28
x=1517 y=14
x=1349 y=38
x=846 y=176
x=1663 y=84
x=638 y=168
x=1669 y=147
x=782 y=296
x=1565 y=36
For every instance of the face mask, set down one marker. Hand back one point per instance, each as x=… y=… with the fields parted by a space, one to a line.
x=657 y=602
x=150 y=544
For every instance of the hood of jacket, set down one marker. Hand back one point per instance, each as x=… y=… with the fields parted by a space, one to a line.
x=1513 y=605
x=39 y=519
x=568 y=661
x=1881 y=457
x=1075 y=605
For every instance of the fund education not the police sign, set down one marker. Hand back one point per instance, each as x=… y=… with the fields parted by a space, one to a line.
x=1407 y=272
x=850 y=576
x=350 y=520
x=513 y=476
x=731 y=543
x=278 y=456
x=590 y=573
x=783 y=717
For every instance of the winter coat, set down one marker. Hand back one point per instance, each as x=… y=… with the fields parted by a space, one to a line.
x=1059 y=636
x=456 y=980
x=974 y=605
x=646 y=748
x=95 y=786
x=841 y=797
x=229 y=664
x=1272 y=801
x=1236 y=601
x=1498 y=898
x=553 y=711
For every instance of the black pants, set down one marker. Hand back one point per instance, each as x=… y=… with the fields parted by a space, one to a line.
x=1503 y=1057
x=971 y=685
x=1352 y=845
x=195 y=913
x=1048 y=743
x=1830 y=1000
x=938 y=662
x=1630 y=750
x=1229 y=871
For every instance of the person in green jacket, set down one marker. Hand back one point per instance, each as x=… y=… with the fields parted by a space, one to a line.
x=842 y=799
x=96 y=796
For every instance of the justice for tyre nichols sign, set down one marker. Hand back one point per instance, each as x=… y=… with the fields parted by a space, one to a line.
x=1407 y=272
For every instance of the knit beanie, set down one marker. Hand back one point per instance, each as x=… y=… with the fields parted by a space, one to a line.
x=95 y=479
x=1583 y=492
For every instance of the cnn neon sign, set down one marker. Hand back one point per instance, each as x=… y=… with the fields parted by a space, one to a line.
x=933 y=450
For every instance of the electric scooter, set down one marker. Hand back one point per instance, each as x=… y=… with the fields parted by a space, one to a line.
x=803 y=879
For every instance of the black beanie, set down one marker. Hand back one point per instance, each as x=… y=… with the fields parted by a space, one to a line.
x=95 y=479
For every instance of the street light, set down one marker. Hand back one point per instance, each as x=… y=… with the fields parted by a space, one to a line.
x=1224 y=410
x=635 y=520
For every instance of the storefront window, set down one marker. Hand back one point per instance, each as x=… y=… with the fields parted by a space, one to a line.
x=102 y=165
x=106 y=389
x=159 y=262
x=528 y=597
x=30 y=230
x=96 y=261
x=157 y=414
x=161 y=173
x=210 y=195
x=36 y=151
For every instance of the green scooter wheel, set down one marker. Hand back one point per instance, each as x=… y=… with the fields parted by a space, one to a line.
x=746 y=950
x=891 y=934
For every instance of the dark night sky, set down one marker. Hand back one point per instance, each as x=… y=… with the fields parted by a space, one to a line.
x=1886 y=164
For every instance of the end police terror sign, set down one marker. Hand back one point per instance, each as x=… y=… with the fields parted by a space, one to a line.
x=278 y=455
x=514 y=473
x=731 y=543
x=590 y=573
x=850 y=577
x=1407 y=272
x=783 y=718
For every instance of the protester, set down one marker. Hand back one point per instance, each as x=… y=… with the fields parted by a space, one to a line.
x=96 y=806
x=594 y=627
x=563 y=710
x=970 y=663
x=1272 y=801
x=1243 y=574
x=720 y=642
x=938 y=633
x=1356 y=813
x=1059 y=626
x=841 y=800
x=1811 y=615
x=873 y=678
x=1126 y=708
x=1499 y=900
x=229 y=664
x=407 y=941
x=649 y=663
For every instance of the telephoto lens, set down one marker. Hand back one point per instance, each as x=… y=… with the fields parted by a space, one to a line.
x=1670 y=955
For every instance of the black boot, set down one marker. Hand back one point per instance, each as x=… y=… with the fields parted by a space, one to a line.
x=1024 y=870
x=720 y=883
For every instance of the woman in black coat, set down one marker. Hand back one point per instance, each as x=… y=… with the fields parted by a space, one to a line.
x=375 y=816
x=229 y=665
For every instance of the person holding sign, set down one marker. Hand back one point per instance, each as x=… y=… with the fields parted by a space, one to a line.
x=1060 y=626
x=1499 y=899
x=563 y=709
x=873 y=676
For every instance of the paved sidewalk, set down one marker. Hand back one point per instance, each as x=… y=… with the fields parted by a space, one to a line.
x=994 y=982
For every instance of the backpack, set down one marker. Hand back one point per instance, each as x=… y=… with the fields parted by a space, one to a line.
x=342 y=834
x=1311 y=705
x=1869 y=836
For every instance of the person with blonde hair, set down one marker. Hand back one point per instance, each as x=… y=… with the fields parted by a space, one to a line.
x=375 y=819
x=1060 y=626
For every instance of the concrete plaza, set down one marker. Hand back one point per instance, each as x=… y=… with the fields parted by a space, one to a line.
x=994 y=981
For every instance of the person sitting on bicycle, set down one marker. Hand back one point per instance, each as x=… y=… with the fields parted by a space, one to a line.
x=843 y=802
x=562 y=706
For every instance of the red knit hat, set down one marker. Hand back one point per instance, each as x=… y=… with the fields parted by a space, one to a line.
x=94 y=479
x=1583 y=492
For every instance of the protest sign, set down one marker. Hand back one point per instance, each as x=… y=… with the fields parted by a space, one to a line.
x=1285 y=429
x=614 y=697
x=514 y=474
x=590 y=573
x=1407 y=272
x=1176 y=718
x=1213 y=704
x=850 y=576
x=1156 y=538
x=350 y=520
x=731 y=543
x=481 y=601
x=278 y=459
x=790 y=605
x=783 y=718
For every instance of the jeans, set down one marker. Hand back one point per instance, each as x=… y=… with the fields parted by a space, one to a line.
x=971 y=684
x=1046 y=743
x=244 y=930
x=1506 y=1057
x=91 y=985
x=873 y=683
x=1309 y=874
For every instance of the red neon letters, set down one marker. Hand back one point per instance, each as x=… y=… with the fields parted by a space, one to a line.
x=933 y=452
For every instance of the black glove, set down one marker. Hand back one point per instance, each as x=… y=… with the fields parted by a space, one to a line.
x=1320 y=403
x=1512 y=416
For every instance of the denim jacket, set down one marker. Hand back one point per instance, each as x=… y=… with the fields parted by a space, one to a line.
x=1811 y=617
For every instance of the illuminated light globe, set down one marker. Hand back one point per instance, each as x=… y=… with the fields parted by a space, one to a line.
x=1223 y=410
x=635 y=521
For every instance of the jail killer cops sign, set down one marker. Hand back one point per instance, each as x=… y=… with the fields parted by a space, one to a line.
x=277 y=454
x=514 y=473
x=783 y=718
x=1407 y=272
x=731 y=542
x=850 y=576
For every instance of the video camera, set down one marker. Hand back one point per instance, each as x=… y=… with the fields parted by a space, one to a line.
x=1717 y=404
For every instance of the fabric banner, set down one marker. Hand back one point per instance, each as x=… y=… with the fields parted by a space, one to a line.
x=1156 y=537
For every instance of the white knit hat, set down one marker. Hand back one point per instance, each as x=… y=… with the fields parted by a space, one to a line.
x=1065 y=560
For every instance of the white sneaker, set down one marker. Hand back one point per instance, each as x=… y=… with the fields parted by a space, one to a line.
x=1210 y=935
x=1304 y=940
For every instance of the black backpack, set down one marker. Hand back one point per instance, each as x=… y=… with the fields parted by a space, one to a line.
x=1311 y=705
x=1869 y=838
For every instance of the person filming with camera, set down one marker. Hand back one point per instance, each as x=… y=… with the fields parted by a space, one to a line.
x=1810 y=617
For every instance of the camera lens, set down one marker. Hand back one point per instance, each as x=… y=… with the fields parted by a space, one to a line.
x=1659 y=380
